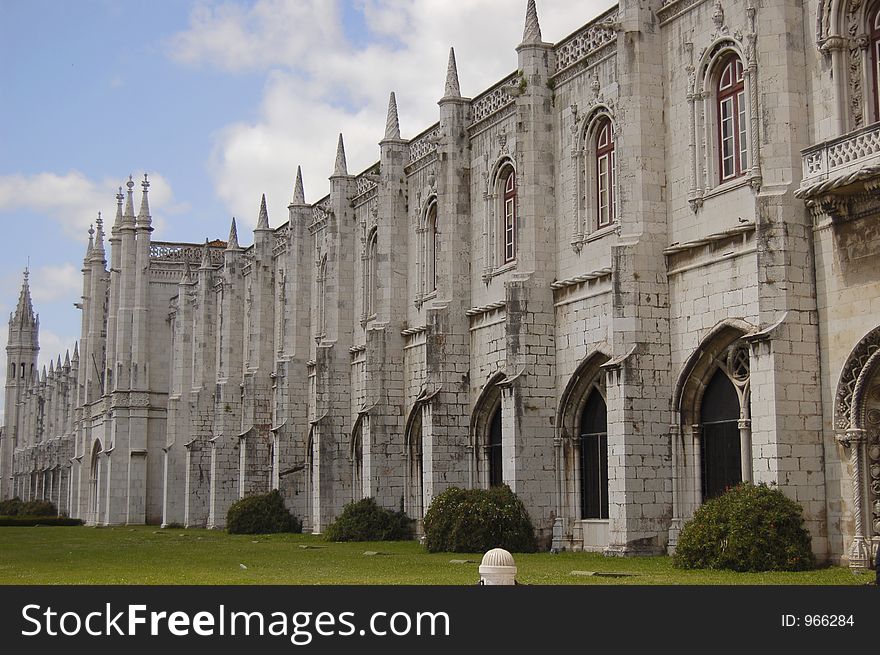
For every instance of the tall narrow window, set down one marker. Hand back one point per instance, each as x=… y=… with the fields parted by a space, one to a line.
x=508 y=215
x=370 y=278
x=874 y=25
x=431 y=242
x=594 y=458
x=605 y=173
x=732 y=145
x=320 y=310
x=720 y=452
x=496 y=476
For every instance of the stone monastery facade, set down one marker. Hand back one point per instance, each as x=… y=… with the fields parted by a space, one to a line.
x=641 y=268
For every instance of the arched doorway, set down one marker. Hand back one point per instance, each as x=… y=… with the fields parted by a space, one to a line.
x=414 y=503
x=494 y=451
x=487 y=436
x=95 y=483
x=721 y=452
x=711 y=438
x=357 y=460
x=594 y=457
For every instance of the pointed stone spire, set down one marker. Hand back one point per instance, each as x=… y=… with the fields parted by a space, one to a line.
x=341 y=168
x=67 y=359
x=532 y=31
x=206 y=256
x=24 y=311
x=51 y=369
x=263 y=220
x=128 y=215
x=43 y=375
x=58 y=367
x=452 y=88
x=185 y=278
x=299 y=195
x=232 y=243
x=98 y=251
x=143 y=218
x=392 y=123
x=91 y=246
x=119 y=199
x=75 y=352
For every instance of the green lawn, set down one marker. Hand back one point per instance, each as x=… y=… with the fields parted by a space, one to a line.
x=149 y=555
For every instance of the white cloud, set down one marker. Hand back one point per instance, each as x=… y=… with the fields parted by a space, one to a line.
x=73 y=200
x=319 y=84
x=54 y=283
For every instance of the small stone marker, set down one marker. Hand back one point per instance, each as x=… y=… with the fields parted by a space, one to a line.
x=498 y=568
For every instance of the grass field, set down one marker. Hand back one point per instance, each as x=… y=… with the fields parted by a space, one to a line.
x=149 y=555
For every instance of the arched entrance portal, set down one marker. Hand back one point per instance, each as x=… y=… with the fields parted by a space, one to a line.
x=594 y=457
x=95 y=483
x=494 y=451
x=720 y=455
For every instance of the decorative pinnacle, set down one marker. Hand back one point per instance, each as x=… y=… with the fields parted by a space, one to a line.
x=452 y=89
x=91 y=245
x=99 y=238
x=144 y=213
x=392 y=124
x=232 y=243
x=206 y=256
x=299 y=195
x=24 y=311
x=340 y=168
x=67 y=358
x=119 y=200
x=532 y=31
x=128 y=216
x=263 y=221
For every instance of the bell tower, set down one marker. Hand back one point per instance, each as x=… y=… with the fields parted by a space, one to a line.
x=21 y=365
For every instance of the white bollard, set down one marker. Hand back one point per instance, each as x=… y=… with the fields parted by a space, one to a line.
x=498 y=568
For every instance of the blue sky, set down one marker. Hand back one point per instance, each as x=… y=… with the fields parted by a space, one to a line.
x=218 y=102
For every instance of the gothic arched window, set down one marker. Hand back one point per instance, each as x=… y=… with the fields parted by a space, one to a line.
x=370 y=274
x=594 y=457
x=431 y=250
x=321 y=298
x=720 y=454
x=496 y=476
x=731 y=118
x=605 y=173
x=507 y=184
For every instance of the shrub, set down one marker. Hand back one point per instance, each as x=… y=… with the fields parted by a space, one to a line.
x=477 y=520
x=10 y=507
x=364 y=520
x=261 y=515
x=15 y=507
x=38 y=508
x=748 y=528
x=28 y=521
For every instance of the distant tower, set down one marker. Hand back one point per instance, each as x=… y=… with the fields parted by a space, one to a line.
x=21 y=365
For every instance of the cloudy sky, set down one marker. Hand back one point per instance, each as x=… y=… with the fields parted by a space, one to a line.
x=218 y=101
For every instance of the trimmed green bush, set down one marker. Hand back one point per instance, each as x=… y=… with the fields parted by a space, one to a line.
x=261 y=514
x=27 y=521
x=10 y=507
x=15 y=507
x=748 y=528
x=477 y=520
x=364 y=520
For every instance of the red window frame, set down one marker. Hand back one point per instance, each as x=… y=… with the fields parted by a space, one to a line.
x=508 y=215
x=730 y=111
x=605 y=174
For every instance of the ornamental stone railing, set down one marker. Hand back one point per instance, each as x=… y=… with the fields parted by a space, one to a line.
x=161 y=251
x=588 y=39
x=842 y=156
x=494 y=99
x=424 y=144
